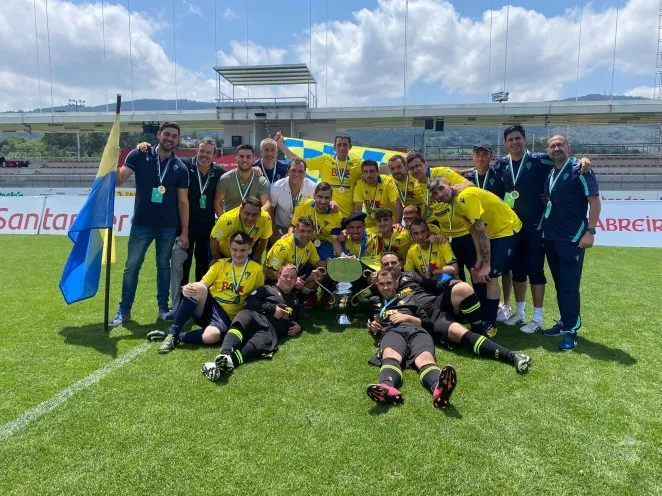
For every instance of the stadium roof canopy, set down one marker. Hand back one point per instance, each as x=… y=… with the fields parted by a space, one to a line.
x=266 y=75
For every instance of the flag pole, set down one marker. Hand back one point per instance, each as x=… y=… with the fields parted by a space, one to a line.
x=109 y=250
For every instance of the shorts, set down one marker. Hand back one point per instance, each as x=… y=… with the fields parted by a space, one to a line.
x=407 y=340
x=213 y=315
x=257 y=330
x=442 y=316
x=465 y=251
x=502 y=251
x=529 y=257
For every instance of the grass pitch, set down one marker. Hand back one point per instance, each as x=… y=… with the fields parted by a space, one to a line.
x=585 y=422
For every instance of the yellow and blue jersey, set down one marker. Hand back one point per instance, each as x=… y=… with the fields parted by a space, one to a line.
x=327 y=225
x=230 y=222
x=366 y=248
x=472 y=204
x=436 y=256
x=285 y=251
x=383 y=194
x=220 y=281
x=398 y=242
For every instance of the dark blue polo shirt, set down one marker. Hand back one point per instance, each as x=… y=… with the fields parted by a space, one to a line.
x=146 y=213
x=201 y=220
x=567 y=220
x=494 y=181
x=529 y=207
x=278 y=172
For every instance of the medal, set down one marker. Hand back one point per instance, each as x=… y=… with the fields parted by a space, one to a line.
x=427 y=212
x=161 y=189
x=341 y=190
x=372 y=215
x=317 y=243
x=514 y=194
x=341 y=175
x=450 y=239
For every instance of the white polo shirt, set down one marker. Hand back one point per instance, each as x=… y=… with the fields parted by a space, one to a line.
x=282 y=201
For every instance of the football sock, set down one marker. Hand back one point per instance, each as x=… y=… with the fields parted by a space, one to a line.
x=485 y=347
x=232 y=340
x=237 y=357
x=429 y=375
x=193 y=337
x=184 y=313
x=537 y=314
x=481 y=291
x=390 y=373
x=491 y=309
x=471 y=311
x=520 y=307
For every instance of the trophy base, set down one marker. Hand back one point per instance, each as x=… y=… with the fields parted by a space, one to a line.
x=343 y=319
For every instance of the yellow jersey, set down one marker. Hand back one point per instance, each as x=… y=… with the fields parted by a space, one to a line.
x=409 y=193
x=366 y=248
x=230 y=223
x=285 y=251
x=341 y=175
x=222 y=278
x=436 y=256
x=398 y=242
x=383 y=194
x=325 y=226
x=435 y=207
x=474 y=203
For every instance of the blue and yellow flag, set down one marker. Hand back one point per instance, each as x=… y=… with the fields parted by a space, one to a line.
x=310 y=149
x=80 y=278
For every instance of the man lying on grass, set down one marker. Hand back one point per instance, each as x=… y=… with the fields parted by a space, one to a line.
x=271 y=313
x=213 y=302
x=398 y=320
x=445 y=303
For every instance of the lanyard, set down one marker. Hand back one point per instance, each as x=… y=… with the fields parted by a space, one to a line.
x=451 y=215
x=521 y=166
x=295 y=201
x=341 y=177
x=420 y=256
x=158 y=167
x=273 y=174
x=390 y=243
x=374 y=197
x=296 y=257
x=551 y=176
x=477 y=177
x=202 y=188
x=243 y=228
x=387 y=303
x=318 y=230
x=403 y=196
x=244 y=194
x=362 y=245
x=241 y=277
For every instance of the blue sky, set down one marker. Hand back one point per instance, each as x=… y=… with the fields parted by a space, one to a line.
x=447 y=46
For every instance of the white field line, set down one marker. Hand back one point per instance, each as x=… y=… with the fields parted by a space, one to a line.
x=10 y=428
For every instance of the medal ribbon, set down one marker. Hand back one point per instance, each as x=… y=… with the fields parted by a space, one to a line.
x=318 y=230
x=374 y=197
x=273 y=174
x=551 y=176
x=521 y=166
x=241 y=277
x=387 y=303
x=420 y=256
x=341 y=177
x=403 y=197
x=477 y=177
x=244 y=194
x=243 y=227
x=158 y=167
x=203 y=188
x=452 y=213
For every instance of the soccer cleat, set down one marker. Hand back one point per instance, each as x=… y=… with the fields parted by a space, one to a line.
x=444 y=388
x=119 y=319
x=517 y=319
x=504 y=313
x=211 y=371
x=521 y=363
x=531 y=328
x=555 y=330
x=156 y=335
x=224 y=364
x=165 y=314
x=385 y=394
x=569 y=341
x=489 y=330
x=168 y=344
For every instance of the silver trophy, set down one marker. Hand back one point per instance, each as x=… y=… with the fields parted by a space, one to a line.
x=343 y=272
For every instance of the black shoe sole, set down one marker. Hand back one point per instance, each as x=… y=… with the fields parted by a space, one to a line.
x=378 y=394
x=447 y=383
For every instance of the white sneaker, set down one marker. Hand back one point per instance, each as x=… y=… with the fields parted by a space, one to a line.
x=517 y=319
x=224 y=363
x=504 y=313
x=167 y=315
x=531 y=328
x=211 y=371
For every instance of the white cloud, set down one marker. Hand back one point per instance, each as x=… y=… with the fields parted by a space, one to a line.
x=76 y=56
x=644 y=91
x=451 y=51
x=229 y=14
x=257 y=54
x=193 y=9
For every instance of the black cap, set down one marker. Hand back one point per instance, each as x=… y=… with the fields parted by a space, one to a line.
x=354 y=216
x=483 y=146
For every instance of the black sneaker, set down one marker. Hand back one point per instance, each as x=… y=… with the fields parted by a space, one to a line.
x=156 y=336
x=168 y=345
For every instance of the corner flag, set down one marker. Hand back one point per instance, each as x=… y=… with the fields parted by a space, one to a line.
x=80 y=278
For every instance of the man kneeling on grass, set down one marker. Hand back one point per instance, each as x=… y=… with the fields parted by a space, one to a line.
x=271 y=312
x=213 y=302
x=398 y=321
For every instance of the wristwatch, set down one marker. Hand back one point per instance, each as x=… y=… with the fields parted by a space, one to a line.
x=591 y=230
